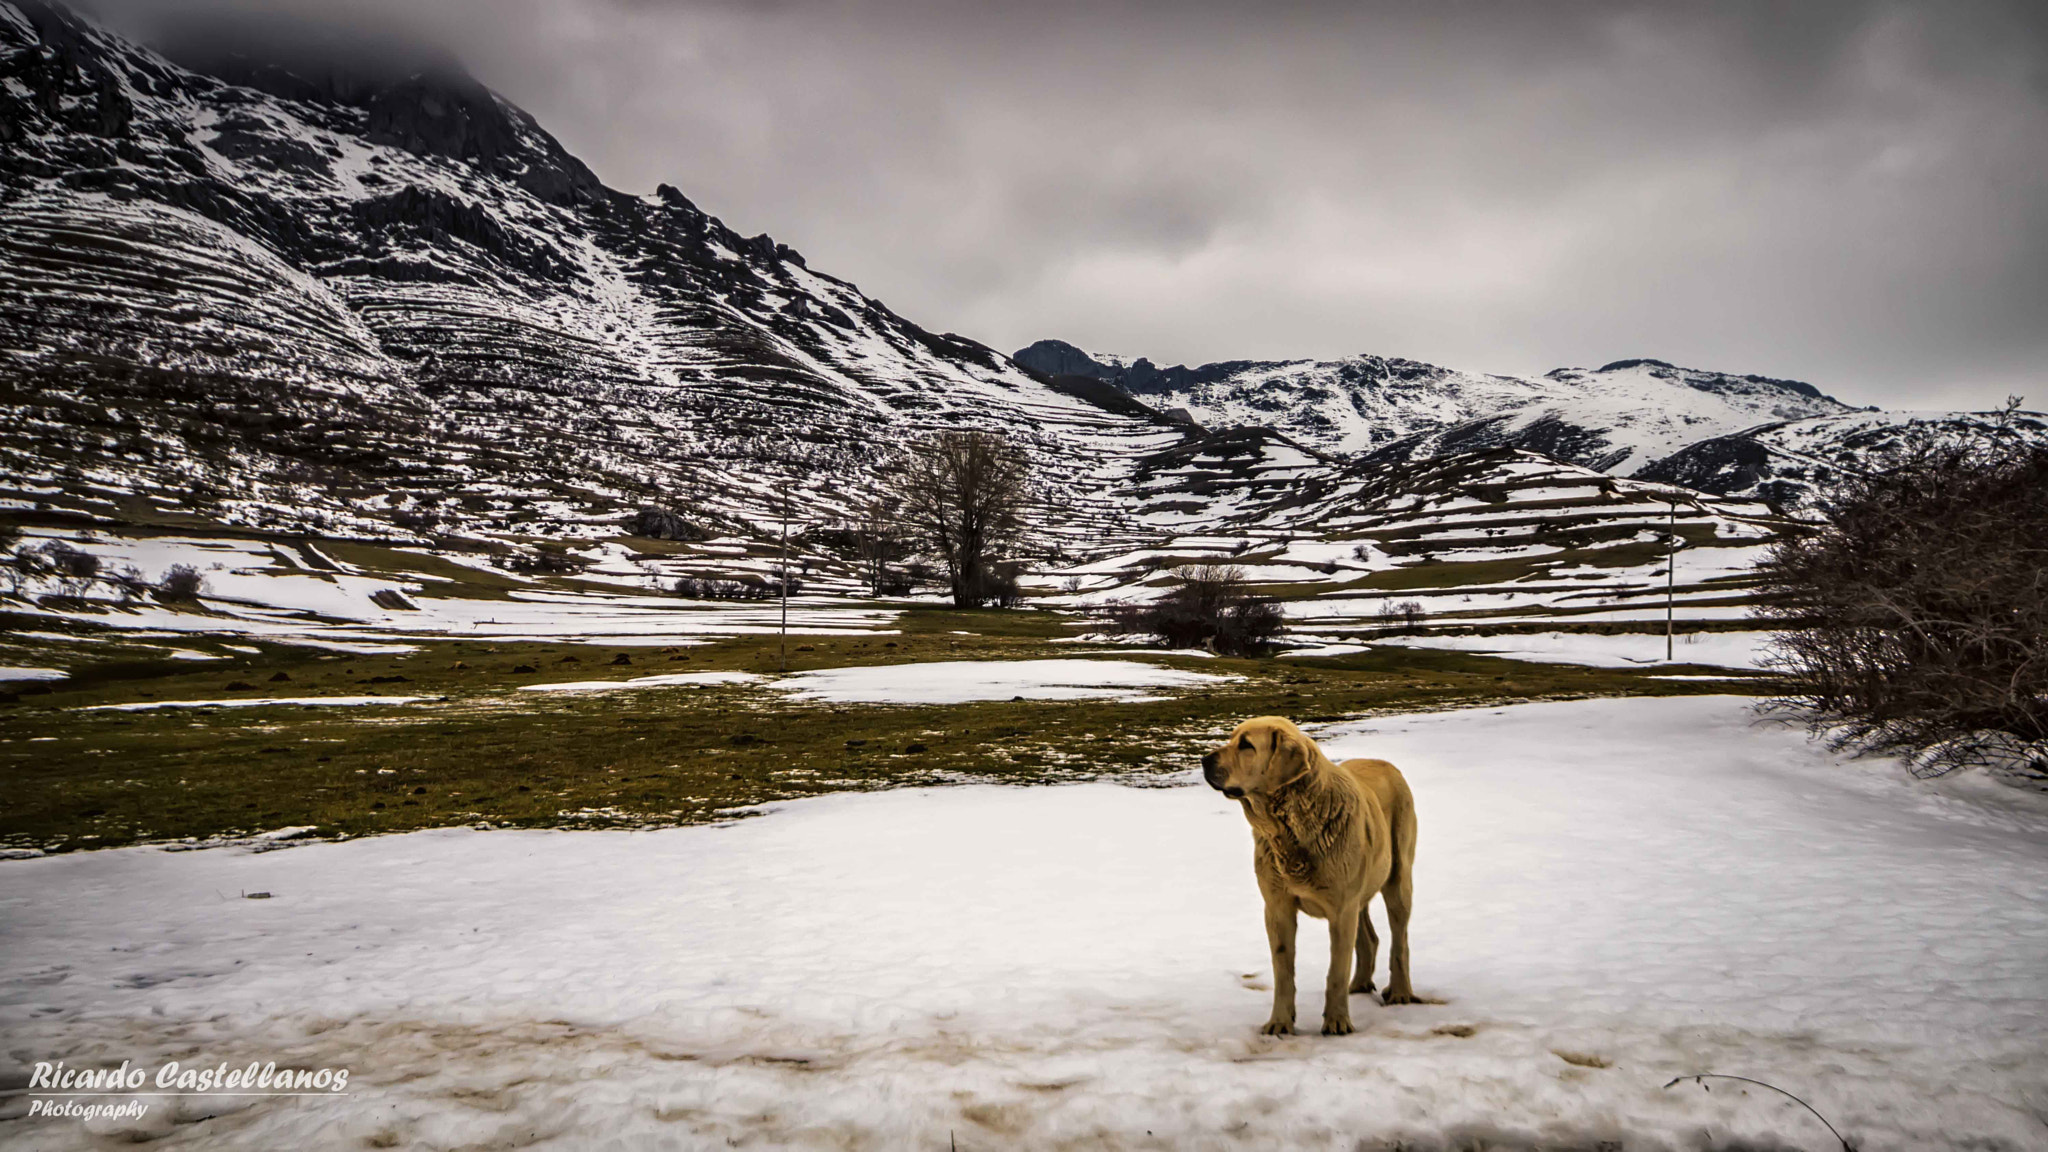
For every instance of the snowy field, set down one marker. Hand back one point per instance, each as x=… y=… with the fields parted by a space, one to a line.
x=961 y=681
x=267 y=591
x=1609 y=894
x=666 y=680
x=1718 y=649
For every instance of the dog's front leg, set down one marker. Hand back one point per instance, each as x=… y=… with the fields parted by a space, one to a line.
x=1280 y=917
x=1337 y=987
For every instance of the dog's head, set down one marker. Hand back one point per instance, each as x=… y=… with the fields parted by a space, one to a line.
x=1260 y=756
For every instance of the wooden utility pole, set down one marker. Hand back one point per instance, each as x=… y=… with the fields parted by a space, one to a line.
x=1670 y=579
x=782 y=659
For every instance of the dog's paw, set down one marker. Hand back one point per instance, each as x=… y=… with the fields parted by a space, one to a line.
x=1365 y=986
x=1392 y=998
x=1278 y=1028
x=1336 y=1027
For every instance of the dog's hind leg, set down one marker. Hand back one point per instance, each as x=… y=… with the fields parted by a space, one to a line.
x=1399 y=895
x=1368 y=951
x=1280 y=925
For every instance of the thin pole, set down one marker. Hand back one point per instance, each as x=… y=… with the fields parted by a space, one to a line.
x=782 y=659
x=1670 y=578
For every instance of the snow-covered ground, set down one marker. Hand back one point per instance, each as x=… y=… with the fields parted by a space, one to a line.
x=259 y=702
x=959 y=681
x=1659 y=885
x=1719 y=649
x=667 y=680
x=263 y=590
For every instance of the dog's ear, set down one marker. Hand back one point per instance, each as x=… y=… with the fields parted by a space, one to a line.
x=1290 y=759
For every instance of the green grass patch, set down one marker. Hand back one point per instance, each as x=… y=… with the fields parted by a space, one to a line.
x=482 y=750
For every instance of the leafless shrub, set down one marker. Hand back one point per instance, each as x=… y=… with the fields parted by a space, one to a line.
x=24 y=565
x=1917 y=620
x=876 y=539
x=419 y=518
x=180 y=582
x=69 y=564
x=1000 y=583
x=543 y=562
x=712 y=588
x=130 y=582
x=1210 y=608
x=1405 y=616
x=666 y=524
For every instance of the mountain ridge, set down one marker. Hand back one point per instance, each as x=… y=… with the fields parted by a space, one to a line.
x=1622 y=415
x=392 y=307
x=262 y=309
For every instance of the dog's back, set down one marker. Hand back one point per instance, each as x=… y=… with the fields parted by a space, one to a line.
x=1390 y=788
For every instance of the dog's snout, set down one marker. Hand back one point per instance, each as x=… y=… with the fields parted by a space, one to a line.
x=1234 y=793
x=1209 y=762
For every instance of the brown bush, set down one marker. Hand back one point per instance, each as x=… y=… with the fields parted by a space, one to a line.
x=1210 y=608
x=180 y=582
x=1917 y=620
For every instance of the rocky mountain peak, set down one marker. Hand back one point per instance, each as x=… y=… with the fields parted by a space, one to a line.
x=416 y=98
x=1059 y=358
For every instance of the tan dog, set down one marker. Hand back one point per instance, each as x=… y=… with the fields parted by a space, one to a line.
x=1325 y=837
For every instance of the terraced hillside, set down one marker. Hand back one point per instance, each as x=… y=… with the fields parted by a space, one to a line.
x=392 y=305
x=1794 y=464
x=376 y=313
x=1488 y=540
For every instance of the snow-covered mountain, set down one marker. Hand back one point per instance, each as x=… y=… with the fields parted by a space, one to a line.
x=1616 y=418
x=362 y=300
x=339 y=298
x=1795 y=464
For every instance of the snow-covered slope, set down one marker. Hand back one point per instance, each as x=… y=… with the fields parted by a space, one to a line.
x=1795 y=463
x=371 y=301
x=1616 y=418
x=1479 y=540
x=1622 y=417
x=1610 y=894
x=331 y=300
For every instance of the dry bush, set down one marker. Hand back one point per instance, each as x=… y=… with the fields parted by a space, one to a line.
x=70 y=564
x=180 y=582
x=1917 y=621
x=752 y=588
x=874 y=538
x=666 y=524
x=1405 y=616
x=542 y=562
x=1211 y=608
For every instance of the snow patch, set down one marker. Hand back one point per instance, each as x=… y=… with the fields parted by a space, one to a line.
x=1662 y=886
x=669 y=680
x=959 y=681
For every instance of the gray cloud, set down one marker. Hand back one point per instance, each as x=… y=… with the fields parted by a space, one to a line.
x=1854 y=194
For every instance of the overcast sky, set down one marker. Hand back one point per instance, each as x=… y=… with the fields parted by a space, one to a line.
x=1850 y=194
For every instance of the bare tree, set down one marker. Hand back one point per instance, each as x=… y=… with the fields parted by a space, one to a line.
x=962 y=496
x=1918 y=619
x=877 y=541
